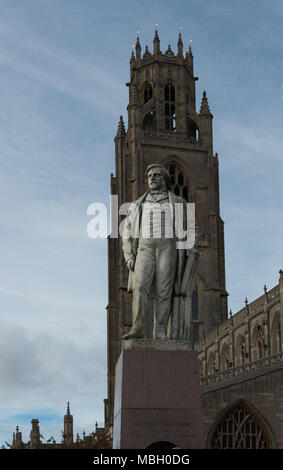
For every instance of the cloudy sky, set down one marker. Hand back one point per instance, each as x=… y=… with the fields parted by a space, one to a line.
x=63 y=68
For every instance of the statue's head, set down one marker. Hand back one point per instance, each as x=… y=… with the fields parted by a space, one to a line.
x=157 y=177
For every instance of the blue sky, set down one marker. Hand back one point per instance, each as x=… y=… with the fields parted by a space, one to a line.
x=63 y=69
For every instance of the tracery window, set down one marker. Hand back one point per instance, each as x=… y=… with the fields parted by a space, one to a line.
x=259 y=343
x=240 y=428
x=276 y=336
x=179 y=181
x=147 y=92
x=225 y=357
x=169 y=107
x=241 y=351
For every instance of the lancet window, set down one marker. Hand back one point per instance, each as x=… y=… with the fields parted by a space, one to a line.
x=169 y=107
x=147 y=92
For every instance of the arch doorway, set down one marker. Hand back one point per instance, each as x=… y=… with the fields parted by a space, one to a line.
x=240 y=427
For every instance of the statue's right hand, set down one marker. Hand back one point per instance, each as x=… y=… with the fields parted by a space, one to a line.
x=131 y=264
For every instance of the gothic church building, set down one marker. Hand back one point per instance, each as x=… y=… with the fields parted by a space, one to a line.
x=241 y=356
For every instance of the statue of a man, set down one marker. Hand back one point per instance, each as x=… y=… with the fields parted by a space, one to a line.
x=150 y=247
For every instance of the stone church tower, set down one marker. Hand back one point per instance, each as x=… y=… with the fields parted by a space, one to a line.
x=68 y=427
x=164 y=126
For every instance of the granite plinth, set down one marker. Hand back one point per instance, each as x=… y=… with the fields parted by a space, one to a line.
x=157 y=399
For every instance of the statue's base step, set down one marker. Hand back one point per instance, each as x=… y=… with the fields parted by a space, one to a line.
x=156 y=344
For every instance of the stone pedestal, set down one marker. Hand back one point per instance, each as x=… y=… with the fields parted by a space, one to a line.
x=157 y=396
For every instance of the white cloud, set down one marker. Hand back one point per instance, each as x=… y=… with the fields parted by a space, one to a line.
x=44 y=371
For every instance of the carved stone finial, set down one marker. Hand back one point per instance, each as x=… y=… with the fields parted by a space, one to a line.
x=230 y=313
x=246 y=301
x=281 y=275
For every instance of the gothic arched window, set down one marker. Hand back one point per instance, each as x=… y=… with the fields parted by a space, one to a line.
x=241 y=350
x=275 y=335
x=259 y=343
x=169 y=107
x=225 y=357
x=240 y=428
x=179 y=181
x=147 y=92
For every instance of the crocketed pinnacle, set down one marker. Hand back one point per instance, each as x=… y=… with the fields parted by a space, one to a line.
x=138 y=48
x=180 y=45
x=121 y=128
x=204 y=109
x=156 y=43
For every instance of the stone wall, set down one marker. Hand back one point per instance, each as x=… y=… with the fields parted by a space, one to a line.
x=242 y=364
x=261 y=392
x=250 y=335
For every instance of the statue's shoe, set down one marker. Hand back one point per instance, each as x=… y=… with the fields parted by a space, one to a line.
x=132 y=335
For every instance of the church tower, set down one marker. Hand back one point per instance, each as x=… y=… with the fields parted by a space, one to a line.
x=68 y=427
x=164 y=126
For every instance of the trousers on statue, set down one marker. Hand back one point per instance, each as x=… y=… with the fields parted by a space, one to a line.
x=155 y=262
